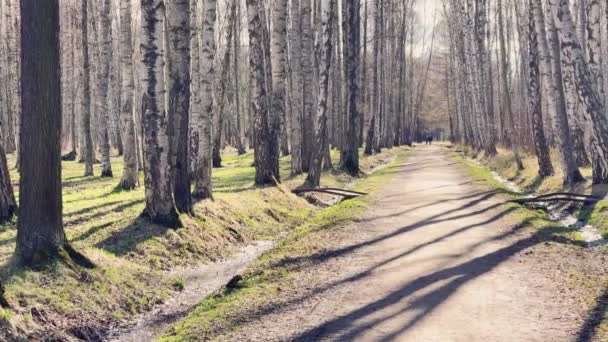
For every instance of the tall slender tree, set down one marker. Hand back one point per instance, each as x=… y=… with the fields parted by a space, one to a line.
x=159 y=173
x=85 y=120
x=307 y=82
x=506 y=96
x=221 y=85
x=279 y=87
x=350 y=153
x=130 y=177
x=178 y=86
x=324 y=52
x=103 y=83
x=203 y=188
x=555 y=96
x=594 y=119
x=296 y=88
x=259 y=95
x=535 y=105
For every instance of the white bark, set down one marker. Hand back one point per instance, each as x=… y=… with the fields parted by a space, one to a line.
x=204 y=165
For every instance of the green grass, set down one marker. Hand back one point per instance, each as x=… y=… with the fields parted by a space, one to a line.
x=133 y=255
x=268 y=275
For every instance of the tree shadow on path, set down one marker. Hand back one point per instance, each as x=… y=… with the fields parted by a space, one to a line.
x=449 y=280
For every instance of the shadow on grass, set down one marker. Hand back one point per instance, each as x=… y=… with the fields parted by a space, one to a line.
x=126 y=240
x=89 y=209
x=112 y=211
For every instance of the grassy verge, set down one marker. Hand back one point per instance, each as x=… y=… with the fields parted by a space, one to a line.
x=529 y=181
x=133 y=255
x=269 y=275
x=582 y=272
x=536 y=220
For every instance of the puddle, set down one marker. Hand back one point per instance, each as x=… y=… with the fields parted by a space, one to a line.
x=199 y=283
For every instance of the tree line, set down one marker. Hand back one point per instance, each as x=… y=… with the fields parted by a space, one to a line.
x=531 y=73
x=169 y=84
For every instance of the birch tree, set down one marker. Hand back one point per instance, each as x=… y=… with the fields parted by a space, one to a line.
x=506 y=96
x=159 y=174
x=85 y=120
x=324 y=52
x=553 y=87
x=259 y=96
x=279 y=87
x=178 y=25
x=130 y=177
x=535 y=104
x=103 y=80
x=203 y=188
x=307 y=82
x=350 y=153
x=594 y=119
x=296 y=87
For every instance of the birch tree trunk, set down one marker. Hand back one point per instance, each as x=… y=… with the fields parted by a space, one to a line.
x=555 y=96
x=236 y=42
x=594 y=46
x=130 y=177
x=505 y=85
x=324 y=48
x=259 y=96
x=279 y=86
x=372 y=131
x=103 y=81
x=85 y=120
x=159 y=174
x=221 y=87
x=203 y=188
x=307 y=83
x=178 y=24
x=195 y=96
x=350 y=152
x=594 y=120
x=535 y=102
x=295 y=52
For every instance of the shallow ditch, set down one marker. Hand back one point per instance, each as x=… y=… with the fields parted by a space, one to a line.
x=199 y=283
x=560 y=213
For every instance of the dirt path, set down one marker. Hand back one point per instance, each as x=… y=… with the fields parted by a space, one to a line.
x=434 y=260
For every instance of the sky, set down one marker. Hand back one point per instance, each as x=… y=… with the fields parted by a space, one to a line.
x=426 y=10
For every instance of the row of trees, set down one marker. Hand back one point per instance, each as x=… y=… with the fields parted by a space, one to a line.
x=162 y=83
x=534 y=76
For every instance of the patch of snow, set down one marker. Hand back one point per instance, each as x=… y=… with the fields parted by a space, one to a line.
x=510 y=185
x=589 y=233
